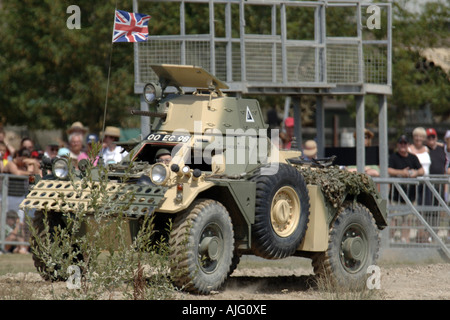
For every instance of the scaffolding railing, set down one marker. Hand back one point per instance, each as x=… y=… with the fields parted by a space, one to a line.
x=280 y=59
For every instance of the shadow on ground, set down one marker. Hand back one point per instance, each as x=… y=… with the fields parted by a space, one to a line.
x=273 y=284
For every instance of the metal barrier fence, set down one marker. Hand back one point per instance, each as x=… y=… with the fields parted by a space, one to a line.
x=418 y=212
x=13 y=190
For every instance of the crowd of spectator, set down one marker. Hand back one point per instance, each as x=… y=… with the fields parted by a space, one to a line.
x=424 y=155
x=26 y=161
x=420 y=153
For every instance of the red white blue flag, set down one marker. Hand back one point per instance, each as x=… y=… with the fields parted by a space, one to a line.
x=130 y=27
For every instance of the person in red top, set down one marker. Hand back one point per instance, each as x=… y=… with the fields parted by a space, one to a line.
x=438 y=159
x=437 y=153
x=286 y=137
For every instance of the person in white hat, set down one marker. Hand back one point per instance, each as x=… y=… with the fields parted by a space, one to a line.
x=77 y=127
x=112 y=153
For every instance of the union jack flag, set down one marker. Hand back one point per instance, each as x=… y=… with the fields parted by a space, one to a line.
x=130 y=27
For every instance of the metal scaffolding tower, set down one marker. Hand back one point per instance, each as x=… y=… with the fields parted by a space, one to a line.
x=278 y=59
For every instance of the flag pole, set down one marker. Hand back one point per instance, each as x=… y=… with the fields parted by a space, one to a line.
x=109 y=75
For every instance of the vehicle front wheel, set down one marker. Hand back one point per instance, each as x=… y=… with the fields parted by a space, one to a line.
x=202 y=243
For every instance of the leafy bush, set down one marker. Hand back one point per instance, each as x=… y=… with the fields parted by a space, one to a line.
x=88 y=244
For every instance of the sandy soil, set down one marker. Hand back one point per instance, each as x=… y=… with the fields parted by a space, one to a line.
x=285 y=282
x=421 y=282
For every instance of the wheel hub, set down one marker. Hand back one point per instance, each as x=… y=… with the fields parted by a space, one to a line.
x=210 y=246
x=282 y=212
x=353 y=248
x=285 y=211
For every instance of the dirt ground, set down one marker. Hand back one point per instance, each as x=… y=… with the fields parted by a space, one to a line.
x=401 y=282
x=258 y=279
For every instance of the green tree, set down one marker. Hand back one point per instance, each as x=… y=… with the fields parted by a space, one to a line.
x=52 y=76
x=416 y=82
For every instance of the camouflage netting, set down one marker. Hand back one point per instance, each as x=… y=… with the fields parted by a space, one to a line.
x=336 y=183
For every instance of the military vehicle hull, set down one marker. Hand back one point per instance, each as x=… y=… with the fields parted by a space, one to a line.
x=228 y=190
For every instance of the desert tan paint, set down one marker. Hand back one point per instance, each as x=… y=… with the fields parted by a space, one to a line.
x=316 y=238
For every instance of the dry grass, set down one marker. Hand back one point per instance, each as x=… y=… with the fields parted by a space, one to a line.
x=329 y=290
x=14 y=263
x=19 y=279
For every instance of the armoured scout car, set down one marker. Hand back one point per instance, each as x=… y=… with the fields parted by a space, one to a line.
x=230 y=191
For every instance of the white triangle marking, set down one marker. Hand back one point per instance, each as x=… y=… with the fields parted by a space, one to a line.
x=249 y=116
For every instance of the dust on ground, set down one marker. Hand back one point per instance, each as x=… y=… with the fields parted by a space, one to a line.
x=397 y=282
x=258 y=279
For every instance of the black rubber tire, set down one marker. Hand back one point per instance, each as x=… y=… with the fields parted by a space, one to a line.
x=197 y=266
x=342 y=267
x=234 y=261
x=267 y=240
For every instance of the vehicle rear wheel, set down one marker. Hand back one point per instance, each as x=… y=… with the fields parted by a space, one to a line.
x=281 y=213
x=202 y=243
x=352 y=247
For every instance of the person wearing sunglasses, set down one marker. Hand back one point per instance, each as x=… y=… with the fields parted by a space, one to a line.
x=51 y=151
x=402 y=163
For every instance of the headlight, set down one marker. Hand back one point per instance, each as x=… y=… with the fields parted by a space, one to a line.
x=61 y=169
x=152 y=93
x=159 y=173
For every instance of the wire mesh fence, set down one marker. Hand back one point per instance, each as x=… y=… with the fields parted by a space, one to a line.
x=264 y=61
x=343 y=63
x=375 y=64
x=280 y=55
